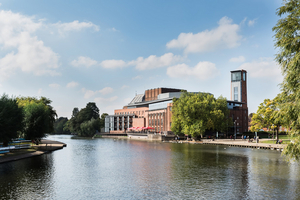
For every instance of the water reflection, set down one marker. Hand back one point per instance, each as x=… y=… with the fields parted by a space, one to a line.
x=27 y=179
x=128 y=169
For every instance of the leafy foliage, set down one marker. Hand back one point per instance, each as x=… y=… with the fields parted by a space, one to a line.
x=267 y=116
x=59 y=125
x=193 y=114
x=287 y=40
x=11 y=119
x=83 y=122
x=88 y=128
x=39 y=117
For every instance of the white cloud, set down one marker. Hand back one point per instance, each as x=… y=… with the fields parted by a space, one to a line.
x=102 y=100
x=263 y=68
x=141 y=63
x=251 y=22
x=237 y=59
x=153 y=61
x=106 y=90
x=84 y=61
x=72 y=84
x=202 y=71
x=27 y=52
x=88 y=93
x=54 y=85
x=113 y=64
x=40 y=91
x=225 y=36
x=124 y=87
x=137 y=77
x=74 y=26
x=114 y=29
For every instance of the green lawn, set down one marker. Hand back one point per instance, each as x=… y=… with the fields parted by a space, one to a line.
x=274 y=141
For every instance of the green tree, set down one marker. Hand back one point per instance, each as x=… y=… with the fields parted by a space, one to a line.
x=193 y=114
x=11 y=119
x=287 y=34
x=91 y=111
x=75 y=112
x=267 y=116
x=35 y=121
x=59 y=125
x=89 y=128
x=39 y=117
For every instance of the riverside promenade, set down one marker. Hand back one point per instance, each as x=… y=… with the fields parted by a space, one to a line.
x=245 y=143
x=46 y=146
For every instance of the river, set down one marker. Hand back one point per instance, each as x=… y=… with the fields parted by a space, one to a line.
x=128 y=169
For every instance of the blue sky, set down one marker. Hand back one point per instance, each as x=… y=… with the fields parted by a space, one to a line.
x=75 y=52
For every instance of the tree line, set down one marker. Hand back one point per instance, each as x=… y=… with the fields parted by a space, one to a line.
x=85 y=122
x=25 y=117
x=32 y=118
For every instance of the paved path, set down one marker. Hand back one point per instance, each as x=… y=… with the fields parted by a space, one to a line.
x=244 y=143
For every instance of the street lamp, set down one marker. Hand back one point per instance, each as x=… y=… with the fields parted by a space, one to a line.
x=234 y=129
x=273 y=132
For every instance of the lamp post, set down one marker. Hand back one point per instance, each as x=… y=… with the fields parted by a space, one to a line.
x=234 y=129
x=273 y=132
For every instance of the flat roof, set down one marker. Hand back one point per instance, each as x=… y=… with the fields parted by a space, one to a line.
x=240 y=70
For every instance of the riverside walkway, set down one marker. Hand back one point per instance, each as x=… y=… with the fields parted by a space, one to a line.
x=245 y=143
x=46 y=146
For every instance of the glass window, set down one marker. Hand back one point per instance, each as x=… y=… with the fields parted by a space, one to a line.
x=235 y=93
x=236 y=76
x=244 y=76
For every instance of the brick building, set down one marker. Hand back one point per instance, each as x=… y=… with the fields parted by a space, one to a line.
x=238 y=104
x=154 y=108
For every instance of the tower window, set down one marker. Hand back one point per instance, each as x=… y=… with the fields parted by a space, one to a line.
x=235 y=93
x=244 y=76
x=236 y=76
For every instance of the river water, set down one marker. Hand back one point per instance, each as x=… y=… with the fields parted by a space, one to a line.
x=128 y=169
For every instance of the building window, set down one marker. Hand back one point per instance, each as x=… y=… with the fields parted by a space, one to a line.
x=244 y=76
x=237 y=118
x=171 y=108
x=236 y=76
x=237 y=124
x=235 y=93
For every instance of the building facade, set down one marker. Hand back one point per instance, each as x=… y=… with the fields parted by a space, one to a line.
x=238 y=106
x=154 y=108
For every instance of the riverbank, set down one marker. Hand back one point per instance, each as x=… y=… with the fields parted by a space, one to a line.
x=46 y=146
x=237 y=143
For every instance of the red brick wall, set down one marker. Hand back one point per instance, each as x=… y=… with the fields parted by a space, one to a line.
x=138 y=122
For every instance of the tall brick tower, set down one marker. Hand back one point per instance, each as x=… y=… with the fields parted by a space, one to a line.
x=239 y=112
